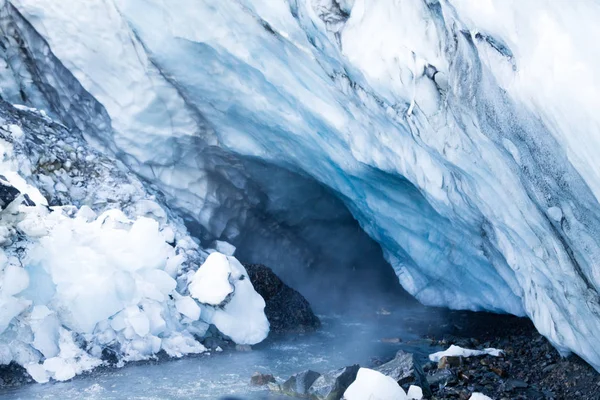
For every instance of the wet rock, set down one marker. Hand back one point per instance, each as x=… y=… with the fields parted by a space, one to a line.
x=332 y=385
x=449 y=362
x=299 y=384
x=8 y=193
x=286 y=309
x=405 y=370
x=513 y=384
x=259 y=379
x=213 y=343
x=442 y=377
x=429 y=366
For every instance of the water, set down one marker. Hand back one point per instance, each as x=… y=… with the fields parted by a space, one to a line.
x=352 y=338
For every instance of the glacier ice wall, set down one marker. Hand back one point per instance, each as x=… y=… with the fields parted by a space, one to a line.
x=461 y=134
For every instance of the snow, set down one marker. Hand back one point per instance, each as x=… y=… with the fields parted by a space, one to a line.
x=480 y=183
x=414 y=393
x=456 y=351
x=240 y=316
x=370 y=384
x=211 y=282
x=479 y=396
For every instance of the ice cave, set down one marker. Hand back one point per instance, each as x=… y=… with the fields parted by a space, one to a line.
x=326 y=199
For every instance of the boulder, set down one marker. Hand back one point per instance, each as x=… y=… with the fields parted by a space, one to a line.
x=331 y=386
x=286 y=309
x=405 y=370
x=299 y=384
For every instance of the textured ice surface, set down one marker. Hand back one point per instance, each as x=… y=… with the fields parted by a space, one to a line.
x=461 y=134
x=78 y=284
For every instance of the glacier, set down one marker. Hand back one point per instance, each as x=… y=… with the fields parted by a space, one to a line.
x=460 y=134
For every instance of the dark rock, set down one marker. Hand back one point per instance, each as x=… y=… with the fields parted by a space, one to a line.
x=286 y=309
x=27 y=201
x=406 y=370
x=8 y=193
x=212 y=343
x=110 y=356
x=299 y=383
x=429 y=365
x=331 y=386
x=259 y=379
x=512 y=384
x=449 y=362
x=442 y=377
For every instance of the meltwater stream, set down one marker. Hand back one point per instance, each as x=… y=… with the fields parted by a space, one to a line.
x=344 y=339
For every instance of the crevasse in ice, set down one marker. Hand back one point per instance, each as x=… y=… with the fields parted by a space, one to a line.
x=461 y=134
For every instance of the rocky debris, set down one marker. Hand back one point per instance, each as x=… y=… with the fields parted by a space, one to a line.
x=13 y=375
x=316 y=386
x=286 y=309
x=406 y=370
x=529 y=368
x=299 y=384
x=332 y=385
x=259 y=379
x=443 y=377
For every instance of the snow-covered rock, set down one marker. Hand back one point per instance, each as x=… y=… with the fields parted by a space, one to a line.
x=370 y=384
x=434 y=121
x=457 y=351
x=230 y=302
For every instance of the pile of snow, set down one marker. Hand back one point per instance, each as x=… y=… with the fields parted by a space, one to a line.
x=76 y=285
x=456 y=351
x=370 y=384
x=479 y=396
x=222 y=281
x=373 y=385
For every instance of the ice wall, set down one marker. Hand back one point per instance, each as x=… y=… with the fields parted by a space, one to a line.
x=461 y=134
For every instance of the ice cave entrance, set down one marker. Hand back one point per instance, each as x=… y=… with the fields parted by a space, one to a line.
x=306 y=234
